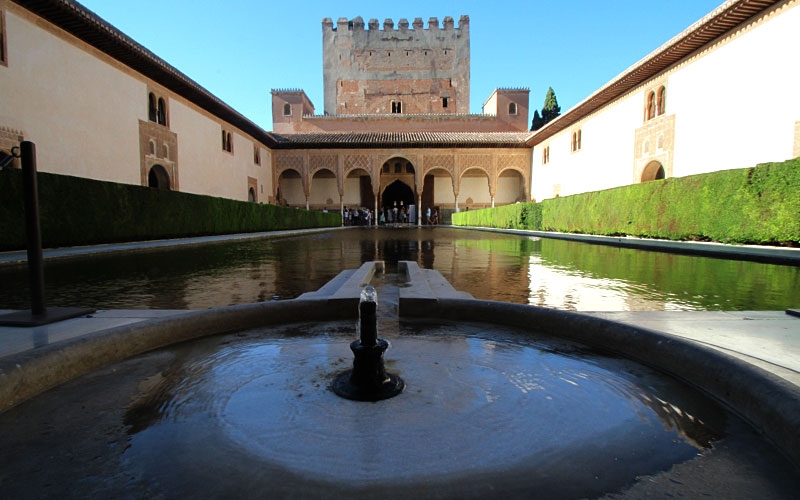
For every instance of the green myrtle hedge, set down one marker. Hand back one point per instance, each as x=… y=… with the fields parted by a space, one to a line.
x=77 y=211
x=751 y=205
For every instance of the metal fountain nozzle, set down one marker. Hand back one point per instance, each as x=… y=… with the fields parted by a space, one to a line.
x=368 y=380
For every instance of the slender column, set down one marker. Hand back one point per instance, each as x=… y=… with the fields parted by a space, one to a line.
x=419 y=209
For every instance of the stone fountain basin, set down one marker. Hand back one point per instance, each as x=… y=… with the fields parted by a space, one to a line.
x=437 y=439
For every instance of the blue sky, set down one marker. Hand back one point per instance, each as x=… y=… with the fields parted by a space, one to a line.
x=241 y=49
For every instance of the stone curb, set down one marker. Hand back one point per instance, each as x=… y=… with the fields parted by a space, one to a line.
x=768 y=254
x=25 y=375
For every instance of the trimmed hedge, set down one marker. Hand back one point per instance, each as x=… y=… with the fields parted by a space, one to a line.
x=751 y=205
x=77 y=211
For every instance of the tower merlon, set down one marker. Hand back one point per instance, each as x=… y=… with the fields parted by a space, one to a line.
x=357 y=24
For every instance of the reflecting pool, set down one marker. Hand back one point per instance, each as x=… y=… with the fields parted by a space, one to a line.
x=546 y=272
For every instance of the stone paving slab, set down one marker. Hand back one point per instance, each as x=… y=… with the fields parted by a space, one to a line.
x=768 y=339
x=14 y=340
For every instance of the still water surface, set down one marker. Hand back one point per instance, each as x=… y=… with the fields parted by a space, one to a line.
x=511 y=268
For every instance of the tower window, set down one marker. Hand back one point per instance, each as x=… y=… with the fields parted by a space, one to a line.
x=512 y=108
x=444 y=102
x=397 y=107
x=287 y=109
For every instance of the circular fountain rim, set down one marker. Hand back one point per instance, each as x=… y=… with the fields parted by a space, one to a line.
x=769 y=403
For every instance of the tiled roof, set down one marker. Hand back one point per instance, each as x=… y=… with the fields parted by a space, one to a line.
x=401 y=139
x=721 y=20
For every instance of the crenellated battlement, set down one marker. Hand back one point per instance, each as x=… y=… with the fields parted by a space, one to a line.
x=406 y=68
x=357 y=24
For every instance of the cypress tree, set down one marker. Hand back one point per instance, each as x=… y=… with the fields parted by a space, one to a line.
x=551 y=109
x=537 y=121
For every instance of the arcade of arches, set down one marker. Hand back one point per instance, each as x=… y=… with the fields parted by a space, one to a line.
x=449 y=180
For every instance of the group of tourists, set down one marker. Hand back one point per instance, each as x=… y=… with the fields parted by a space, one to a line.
x=358 y=217
x=394 y=215
x=431 y=217
x=389 y=215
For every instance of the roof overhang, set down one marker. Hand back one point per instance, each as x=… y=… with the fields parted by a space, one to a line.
x=380 y=140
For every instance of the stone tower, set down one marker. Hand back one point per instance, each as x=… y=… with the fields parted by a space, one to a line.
x=409 y=70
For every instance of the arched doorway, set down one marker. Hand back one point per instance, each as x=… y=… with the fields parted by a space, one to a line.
x=158 y=178
x=397 y=195
x=398 y=187
x=653 y=171
x=397 y=192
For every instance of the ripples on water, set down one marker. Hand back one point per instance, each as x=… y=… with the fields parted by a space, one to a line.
x=496 y=403
x=493 y=266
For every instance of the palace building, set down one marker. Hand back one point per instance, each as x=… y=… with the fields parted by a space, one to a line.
x=396 y=126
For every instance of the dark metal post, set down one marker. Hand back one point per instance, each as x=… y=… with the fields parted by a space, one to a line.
x=39 y=314
x=33 y=231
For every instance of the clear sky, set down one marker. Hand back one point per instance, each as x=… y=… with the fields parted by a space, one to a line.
x=241 y=49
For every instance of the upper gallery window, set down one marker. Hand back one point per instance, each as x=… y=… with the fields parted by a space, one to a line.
x=227 y=141
x=156 y=109
x=576 y=140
